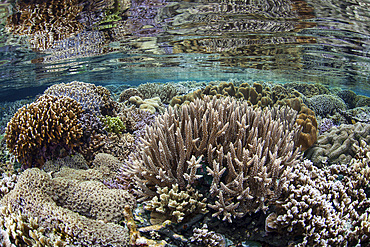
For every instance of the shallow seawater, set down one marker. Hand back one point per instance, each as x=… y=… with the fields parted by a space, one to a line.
x=157 y=41
x=291 y=178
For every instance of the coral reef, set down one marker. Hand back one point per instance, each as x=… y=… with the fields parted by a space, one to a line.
x=164 y=91
x=87 y=94
x=325 y=125
x=20 y=230
x=326 y=207
x=207 y=238
x=151 y=105
x=84 y=211
x=120 y=146
x=75 y=161
x=113 y=124
x=336 y=145
x=107 y=164
x=247 y=154
x=325 y=104
x=7 y=183
x=175 y=204
x=41 y=129
x=362 y=101
x=308 y=90
x=349 y=97
x=128 y=93
x=308 y=136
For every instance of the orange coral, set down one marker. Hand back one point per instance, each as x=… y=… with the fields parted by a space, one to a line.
x=43 y=129
x=307 y=120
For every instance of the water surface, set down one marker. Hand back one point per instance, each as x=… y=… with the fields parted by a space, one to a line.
x=132 y=42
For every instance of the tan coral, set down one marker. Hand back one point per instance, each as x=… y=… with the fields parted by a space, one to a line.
x=38 y=128
x=57 y=206
x=151 y=105
x=230 y=136
x=22 y=230
x=175 y=204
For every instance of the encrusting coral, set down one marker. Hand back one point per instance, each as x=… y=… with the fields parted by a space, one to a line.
x=247 y=154
x=41 y=129
x=151 y=105
x=336 y=145
x=81 y=208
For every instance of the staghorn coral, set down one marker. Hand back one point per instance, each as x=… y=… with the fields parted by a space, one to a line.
x=39 y=130
x=262 y=94
x=336 y=145
x=247 y=154
x=327 y=207
x=82 y=210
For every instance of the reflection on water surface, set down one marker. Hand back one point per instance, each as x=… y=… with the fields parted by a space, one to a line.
x=45 y=42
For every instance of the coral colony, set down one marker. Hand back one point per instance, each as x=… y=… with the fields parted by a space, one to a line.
x=187 y=164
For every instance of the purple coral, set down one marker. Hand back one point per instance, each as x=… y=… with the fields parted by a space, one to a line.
x=326 y=125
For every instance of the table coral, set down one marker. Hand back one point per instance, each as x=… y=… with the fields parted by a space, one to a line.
x=38 y=131
x=247 y=154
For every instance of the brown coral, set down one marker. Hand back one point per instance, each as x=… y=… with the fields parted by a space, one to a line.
x=307 y=120
x=41 y=129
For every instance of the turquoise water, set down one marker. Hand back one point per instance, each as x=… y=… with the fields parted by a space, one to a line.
x=159 y=41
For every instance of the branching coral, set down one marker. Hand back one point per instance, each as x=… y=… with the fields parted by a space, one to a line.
x=247 y=153
x=38 y=130
x=326 y=207
x=22 y=230
x=176 y=204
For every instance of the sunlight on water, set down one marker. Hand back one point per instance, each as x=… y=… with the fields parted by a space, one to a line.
x=139 y=41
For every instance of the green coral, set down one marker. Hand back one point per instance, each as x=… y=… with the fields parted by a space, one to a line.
x=113 y=124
